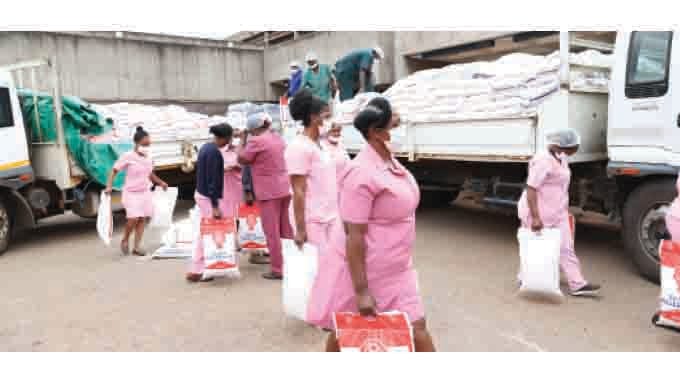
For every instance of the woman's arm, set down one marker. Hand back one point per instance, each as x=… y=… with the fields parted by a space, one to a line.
x=109 y=182
x=157 y=181
x=356 y=258
x=532 y=200
x=299 y=183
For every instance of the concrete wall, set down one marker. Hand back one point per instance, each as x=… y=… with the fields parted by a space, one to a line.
x=330 y=46
x=102 y=68
x=410 y=42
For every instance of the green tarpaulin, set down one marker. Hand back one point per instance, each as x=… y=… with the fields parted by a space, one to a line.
x=79 y=120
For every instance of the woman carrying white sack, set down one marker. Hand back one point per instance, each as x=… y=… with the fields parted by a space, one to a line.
x=545 y=203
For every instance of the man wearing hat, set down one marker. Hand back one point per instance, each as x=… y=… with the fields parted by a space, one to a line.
x=318 y=78
x=295 y=80
x=353 y=71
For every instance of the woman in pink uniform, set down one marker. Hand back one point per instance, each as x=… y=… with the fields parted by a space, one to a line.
x=368 y=267
x=545 y=203
x=137 y=197
x=673 y=216
x=233 y=187
x=312 y=174
x=263 y=150
x=333 y=144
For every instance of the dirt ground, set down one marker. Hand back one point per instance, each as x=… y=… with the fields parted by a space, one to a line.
x=65 y=291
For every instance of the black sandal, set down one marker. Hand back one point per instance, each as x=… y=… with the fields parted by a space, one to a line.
x=138 y=253
x=272 y=276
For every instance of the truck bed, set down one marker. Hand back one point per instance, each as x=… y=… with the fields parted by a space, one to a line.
x=503 y=140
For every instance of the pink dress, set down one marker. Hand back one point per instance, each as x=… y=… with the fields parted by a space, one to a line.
x=385 y=198
x=551 y=179
x=673 y=217
x=233 y=188
x=137 y=197
x=306 y=158
x=339 y=155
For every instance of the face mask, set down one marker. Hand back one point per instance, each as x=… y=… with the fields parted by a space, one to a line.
x=562 y=156
x=236 y=142
x=335 y=140
x=392 y=145
x=145 y=150
x=293 y=71
x=325 y=128
x=314 y=66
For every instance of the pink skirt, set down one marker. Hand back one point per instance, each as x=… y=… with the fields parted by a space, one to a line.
x=333 y=292
x=138 y=204
x=673 y=226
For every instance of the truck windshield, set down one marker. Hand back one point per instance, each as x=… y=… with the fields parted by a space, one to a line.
x=648 y=59
x=6 y=118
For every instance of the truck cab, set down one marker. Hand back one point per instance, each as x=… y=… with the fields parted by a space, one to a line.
x=643 y=138
x=15 y=166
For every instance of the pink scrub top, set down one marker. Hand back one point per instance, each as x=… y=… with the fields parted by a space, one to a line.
x=675 y=206
x=233 y=188
x=550 y=178
x=338 y=154
x=138 y=169
x=265 y=153
x=304 y=157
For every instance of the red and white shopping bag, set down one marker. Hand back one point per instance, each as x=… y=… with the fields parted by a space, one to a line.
x=387 y=332
x=669 y=308
x=221 y=260
x=250 y=232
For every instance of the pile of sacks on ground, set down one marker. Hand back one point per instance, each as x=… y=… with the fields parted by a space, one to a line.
x=164 y=123
x=512 y=86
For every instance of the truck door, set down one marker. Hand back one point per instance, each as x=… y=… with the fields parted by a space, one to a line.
x=14 y=158
x=641 y=106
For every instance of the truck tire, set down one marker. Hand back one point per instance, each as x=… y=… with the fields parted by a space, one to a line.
x=433 y=198
x=5 y=227
x=644 y=224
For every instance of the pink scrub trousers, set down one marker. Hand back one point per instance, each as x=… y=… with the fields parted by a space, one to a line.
x=276 y=225
x=197 y=263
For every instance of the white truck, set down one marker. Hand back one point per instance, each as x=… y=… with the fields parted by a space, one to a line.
x=41 y=179
x=628 y=161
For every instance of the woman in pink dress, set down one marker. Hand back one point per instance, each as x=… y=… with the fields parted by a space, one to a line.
x=263 y=149
x=137 y=197
x=312 y=174
x=333 y=144
x=233 y=187
x=545 y=203
x=368 y=267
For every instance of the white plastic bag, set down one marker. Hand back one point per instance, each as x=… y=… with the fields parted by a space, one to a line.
x=540 y=261
x=299 y=273
x=105 y=219
x=163 y=207
x=221 y=259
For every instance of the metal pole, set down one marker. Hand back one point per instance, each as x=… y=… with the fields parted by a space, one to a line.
x=36 y=113
x=57 y=102
x=564 y=56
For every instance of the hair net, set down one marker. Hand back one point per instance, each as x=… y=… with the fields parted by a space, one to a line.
x=564 y=138
x=379 y=51
x=256 y=120
x=295 y=64
x=311 y=56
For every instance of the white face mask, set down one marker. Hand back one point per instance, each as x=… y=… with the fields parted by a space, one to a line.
x=335 y=140
x=392 y=145
x=314 y=66
x=562 y=156
x=236 y=142
x=325 y=128
x=145 y=150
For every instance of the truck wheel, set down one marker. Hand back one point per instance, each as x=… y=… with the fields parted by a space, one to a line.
x=644 y=224
x=5 y=228
x=431 y=198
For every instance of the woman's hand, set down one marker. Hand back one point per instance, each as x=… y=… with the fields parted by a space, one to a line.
x=164 y=185
x=536 y=225
x=366 y=304
x=300 y=238
x=216 y=213
x=108 y=190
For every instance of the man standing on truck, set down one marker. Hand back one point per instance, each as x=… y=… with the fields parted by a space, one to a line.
x=295 y=80
x=319 y=79
x=353 y=71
